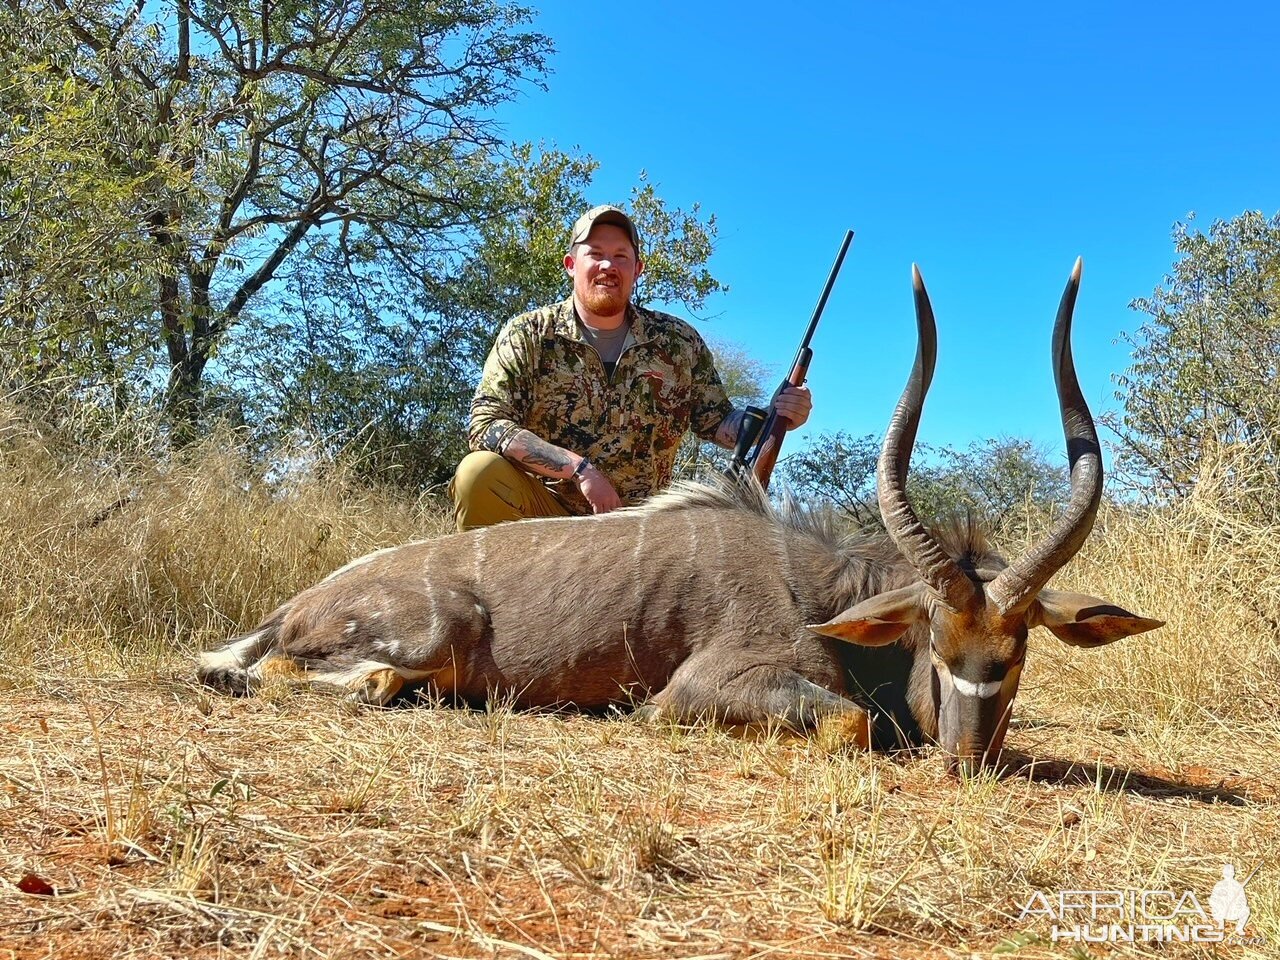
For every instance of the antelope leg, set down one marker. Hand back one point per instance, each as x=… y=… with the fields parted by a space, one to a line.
x=743 y=692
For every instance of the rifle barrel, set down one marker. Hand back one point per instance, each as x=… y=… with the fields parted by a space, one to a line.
x=765 y=452
x=826 y=291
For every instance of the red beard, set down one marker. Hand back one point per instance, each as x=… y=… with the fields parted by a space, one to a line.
x=605 y=301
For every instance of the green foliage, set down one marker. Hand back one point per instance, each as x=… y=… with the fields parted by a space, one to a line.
x=839 y=468
x=233 y=134
x=744 y=379
x=1207 y=359
x=341 y=375
x=677 y=246
x=75 y=261
x=1002 y=480
x=516 y=261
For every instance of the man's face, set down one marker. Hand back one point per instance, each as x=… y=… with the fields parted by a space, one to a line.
x=604 y=269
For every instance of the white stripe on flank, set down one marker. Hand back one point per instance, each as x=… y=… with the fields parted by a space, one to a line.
x=637 y=559
x=477 y=568
x=967 y=688
x=638 y=553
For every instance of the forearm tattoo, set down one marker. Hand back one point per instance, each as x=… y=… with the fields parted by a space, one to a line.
x=727 y=432
x=530 y=450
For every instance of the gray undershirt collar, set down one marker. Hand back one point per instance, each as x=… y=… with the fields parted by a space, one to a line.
x=607 y=343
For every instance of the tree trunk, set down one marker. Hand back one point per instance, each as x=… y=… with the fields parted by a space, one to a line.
x=182 y=393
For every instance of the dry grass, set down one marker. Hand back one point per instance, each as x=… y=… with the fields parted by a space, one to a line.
x=170 y=822
x=116 y=562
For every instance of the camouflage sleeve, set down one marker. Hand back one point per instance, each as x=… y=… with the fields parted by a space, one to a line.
x=505 y=393
x=710 y=403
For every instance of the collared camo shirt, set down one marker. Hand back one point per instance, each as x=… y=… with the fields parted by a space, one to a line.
x=542 y=375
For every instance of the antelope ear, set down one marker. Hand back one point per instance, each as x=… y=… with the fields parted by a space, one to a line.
x=1085 y=621
x=878 y=621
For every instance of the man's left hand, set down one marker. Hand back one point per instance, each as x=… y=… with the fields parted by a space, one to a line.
x=793 y=404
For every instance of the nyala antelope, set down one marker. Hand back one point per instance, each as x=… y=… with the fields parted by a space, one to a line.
x=709 y=602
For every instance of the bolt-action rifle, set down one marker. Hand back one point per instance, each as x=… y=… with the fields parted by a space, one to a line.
x=765 y=428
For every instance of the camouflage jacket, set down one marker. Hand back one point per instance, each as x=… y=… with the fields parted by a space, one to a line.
x=543 y=376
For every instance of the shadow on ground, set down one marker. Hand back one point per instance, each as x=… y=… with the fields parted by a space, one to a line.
x=1162 y=784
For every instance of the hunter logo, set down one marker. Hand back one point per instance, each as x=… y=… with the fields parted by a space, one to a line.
x=1228 y=902
x=1146 y=916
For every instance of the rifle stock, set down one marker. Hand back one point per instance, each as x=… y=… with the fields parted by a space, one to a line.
x=764 y=457
x=775 y=426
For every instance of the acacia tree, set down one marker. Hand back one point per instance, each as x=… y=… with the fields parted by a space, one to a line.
x=246 y=130
x=1207 y=359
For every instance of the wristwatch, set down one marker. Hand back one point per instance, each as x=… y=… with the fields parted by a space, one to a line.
x=580 y=469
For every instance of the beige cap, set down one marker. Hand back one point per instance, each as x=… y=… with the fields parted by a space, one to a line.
x=604 y=214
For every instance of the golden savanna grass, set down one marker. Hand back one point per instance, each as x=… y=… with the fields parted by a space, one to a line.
x=143 y=816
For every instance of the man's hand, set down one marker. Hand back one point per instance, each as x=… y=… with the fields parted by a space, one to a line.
x=547 y=460
x=595 y=486
x=793 y=405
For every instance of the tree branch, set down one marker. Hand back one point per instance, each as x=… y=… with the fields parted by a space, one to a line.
x=260 y=277
x=85 y=36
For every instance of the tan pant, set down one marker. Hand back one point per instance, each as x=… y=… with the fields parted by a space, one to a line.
x=488 y=488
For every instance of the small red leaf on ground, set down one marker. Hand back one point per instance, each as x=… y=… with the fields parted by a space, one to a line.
x=36 y=886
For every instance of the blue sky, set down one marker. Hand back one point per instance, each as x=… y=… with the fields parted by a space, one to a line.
x=990 y=143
